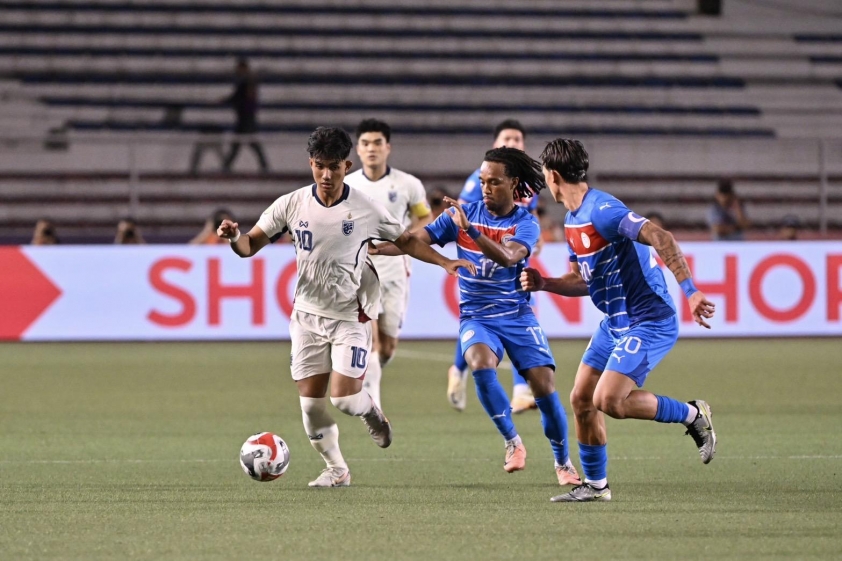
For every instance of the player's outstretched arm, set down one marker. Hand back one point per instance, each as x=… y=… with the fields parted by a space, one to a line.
x=412 y=244
x=506 y=255
x=569 y=284
x=669 y=252
x=389 y=249
x=243 y=245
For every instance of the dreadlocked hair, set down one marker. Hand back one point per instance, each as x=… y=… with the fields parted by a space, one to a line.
x=518 y=164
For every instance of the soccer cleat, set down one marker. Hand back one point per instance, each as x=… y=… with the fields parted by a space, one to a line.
x=378 y=426
x=523 y=402
x=701 y=429
x=457 y=383
x=515 y=458
x=332 y=477
x=567 y=475
x=584 y=493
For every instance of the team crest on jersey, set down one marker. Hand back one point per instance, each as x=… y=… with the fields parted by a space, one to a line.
x=393 y=196
x=586 y=241
x=347 y=227
x=506 y=238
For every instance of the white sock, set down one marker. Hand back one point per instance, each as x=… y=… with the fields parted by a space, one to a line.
x=520 y=389
x=355 y=405
x=691 y=415
x=372 y=380
x=516 y=441
x=322 y=430
x=597 y=483
x=568 y=463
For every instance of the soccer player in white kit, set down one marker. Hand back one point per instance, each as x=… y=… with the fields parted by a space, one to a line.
x=331 y=225
x=404 y=196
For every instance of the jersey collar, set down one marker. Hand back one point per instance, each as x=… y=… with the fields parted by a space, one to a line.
x=388 y=171
x=345 y=192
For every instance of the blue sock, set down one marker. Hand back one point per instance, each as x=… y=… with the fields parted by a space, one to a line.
x=517 y=379
x=594 y=460
x=555 y=425
x=495 y=401
x=670 y=410
x=458 y=358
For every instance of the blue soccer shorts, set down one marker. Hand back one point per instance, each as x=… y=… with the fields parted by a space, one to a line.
x=521 y=337
x=636 y=352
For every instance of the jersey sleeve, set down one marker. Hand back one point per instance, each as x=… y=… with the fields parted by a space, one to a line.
x=418 y=204
x=533 y=204
x=527 y=234
x=443 y=229
x=471 y=191
x=613 y=220
x=273 y=221
x=573 y=258
x=388 y=227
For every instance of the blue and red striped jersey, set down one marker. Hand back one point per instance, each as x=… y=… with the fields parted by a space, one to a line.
x=623 y=277
x=494 y=291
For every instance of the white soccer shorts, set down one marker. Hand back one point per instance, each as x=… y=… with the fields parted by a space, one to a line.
x=321 y=345
x=394 y=300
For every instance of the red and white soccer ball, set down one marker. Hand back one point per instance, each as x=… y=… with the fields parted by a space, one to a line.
x=264 y=456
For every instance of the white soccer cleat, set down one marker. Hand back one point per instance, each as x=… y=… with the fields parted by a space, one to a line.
x=332 y=477
x=457 y=388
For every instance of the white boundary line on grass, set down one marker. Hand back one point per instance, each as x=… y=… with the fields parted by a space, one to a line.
x=414 y=460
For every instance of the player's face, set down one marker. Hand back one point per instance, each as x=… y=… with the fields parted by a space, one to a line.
x=329 y=175
x=498 y=189
x=510 y=138
x=373 y=149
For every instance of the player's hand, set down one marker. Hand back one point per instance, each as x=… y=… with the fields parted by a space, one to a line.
x=531 y=280
x=457 y=214
x=372 y=249
x=702 y=308
x=228 y=229
x=452 y=266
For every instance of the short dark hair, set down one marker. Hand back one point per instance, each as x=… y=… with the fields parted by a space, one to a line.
x=509 y=124
x=518 y=164
x=329 y=143
x=725 y=187
x=567 y=157
x=374 y=125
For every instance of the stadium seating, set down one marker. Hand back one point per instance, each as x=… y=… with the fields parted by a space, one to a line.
x=626 y=69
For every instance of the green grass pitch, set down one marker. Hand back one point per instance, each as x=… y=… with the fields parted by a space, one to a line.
x=129 y=451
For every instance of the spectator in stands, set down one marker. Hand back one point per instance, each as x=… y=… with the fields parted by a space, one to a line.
x=45 y=233
x=128 y=232
x=790 y=225
x=208 y=234
x=657 y=219
x=244 y=101
x=436 y=200
x=551 y=230
x=726 y=217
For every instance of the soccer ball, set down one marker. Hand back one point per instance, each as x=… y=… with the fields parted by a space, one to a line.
x=264 y=456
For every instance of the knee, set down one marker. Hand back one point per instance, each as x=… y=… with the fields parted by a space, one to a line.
x=611 y=405
x=541 y=381
x=581 y=401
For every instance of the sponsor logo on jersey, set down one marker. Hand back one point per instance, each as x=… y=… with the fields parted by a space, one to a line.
x=506 y=238
x=303 y=224
x=467 y=335
x=347 y=227
x=586 y=241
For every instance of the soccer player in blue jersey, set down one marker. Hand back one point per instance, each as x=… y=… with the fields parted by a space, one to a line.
x=498 y=236
x=512 y=134
x=611 y=262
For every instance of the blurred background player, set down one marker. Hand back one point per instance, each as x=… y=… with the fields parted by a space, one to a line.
x=331 y=225
x=511 y=134
x=128 y=232
x=611 y=261
x=494 y=312
x=727 y=216
x=44 y=233
x=435 y=198
x=404 y=197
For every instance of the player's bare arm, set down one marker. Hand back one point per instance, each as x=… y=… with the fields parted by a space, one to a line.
x=413 y=246
x=669 y=252
x=570 y=284
x=505 y=255
x=243 y=245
